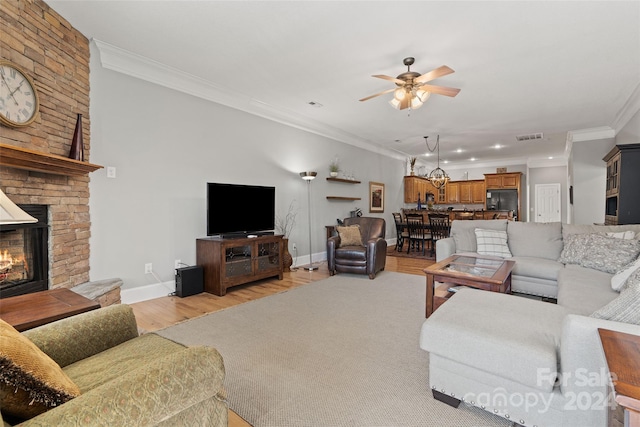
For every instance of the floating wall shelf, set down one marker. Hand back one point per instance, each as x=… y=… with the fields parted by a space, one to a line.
x=23 y=158
x=342 y=198
x=348 y=181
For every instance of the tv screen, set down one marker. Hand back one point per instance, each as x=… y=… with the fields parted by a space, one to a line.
x=240 y=209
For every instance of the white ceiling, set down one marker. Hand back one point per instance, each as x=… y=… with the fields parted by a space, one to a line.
x=522 y=67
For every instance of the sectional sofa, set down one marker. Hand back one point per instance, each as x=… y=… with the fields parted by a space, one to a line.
x=536 y=363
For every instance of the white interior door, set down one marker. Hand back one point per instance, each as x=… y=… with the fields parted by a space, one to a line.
x=548 y=203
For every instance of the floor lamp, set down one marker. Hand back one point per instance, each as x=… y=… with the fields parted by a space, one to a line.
x=309 y=176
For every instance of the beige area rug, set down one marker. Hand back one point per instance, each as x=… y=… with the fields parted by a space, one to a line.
x=343 y=351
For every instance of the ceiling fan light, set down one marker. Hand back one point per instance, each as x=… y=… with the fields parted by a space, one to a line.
x=395 y=103
x=416 y=103
x=422 y=95
x=399 y=94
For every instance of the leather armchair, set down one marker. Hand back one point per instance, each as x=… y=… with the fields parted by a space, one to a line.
x=367 y=259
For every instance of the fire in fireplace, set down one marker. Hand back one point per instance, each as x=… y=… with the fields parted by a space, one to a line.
x=24 y=254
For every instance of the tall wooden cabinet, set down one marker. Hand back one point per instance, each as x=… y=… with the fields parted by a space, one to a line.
x=622 y=198
x=235 y=261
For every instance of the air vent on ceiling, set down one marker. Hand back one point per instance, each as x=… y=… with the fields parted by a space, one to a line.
x=529 y=137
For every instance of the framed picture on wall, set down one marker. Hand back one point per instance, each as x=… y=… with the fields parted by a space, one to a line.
x=376 y=197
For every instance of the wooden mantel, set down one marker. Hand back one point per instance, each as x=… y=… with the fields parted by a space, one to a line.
x=22 y=158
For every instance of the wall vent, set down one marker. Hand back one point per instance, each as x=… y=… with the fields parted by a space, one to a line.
x=529 y=137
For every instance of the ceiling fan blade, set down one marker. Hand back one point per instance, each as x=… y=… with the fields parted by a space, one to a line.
x=441 y=90
x=378 y=94
x=393 y=79
x=405 y=103
x=434 y=74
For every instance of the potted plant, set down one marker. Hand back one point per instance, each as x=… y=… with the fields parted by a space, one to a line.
x=283 y=226
x=412 y=163
x=334 y=168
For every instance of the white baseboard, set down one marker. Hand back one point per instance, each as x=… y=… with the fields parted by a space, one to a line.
x=144 y=293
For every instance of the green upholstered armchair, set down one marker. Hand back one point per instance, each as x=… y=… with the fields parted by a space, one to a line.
x=127 y=379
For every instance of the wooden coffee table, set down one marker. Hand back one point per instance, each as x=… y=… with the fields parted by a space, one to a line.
x=477 y=272
x=28 y=311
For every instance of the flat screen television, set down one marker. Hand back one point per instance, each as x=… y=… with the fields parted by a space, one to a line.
x=234 y=209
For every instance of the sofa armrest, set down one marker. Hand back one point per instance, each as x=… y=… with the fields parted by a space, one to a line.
x=152 y=394
x=445 y=248
x=333 y=243
x=78 y=337
x=581 y=352
x=584 y=375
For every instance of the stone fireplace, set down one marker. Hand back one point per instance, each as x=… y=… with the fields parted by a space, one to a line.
x=24 y=254
x=34 y=164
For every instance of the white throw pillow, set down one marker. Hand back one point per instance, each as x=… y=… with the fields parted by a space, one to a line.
x=492 y=242
x=626 y=307
x=620 y=278
x=626 y=235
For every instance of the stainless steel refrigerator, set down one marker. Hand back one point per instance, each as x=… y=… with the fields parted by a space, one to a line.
x=502 y=200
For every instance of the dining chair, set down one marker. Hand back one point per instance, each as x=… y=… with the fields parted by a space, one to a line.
x=418 y=232
x=401 y=231
x=440 y=227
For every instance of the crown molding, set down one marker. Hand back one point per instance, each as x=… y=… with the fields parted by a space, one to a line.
x=138 y=66
x=628 y=110
x=591 y=134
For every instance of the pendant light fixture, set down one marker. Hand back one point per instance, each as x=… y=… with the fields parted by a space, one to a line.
x=438 y=177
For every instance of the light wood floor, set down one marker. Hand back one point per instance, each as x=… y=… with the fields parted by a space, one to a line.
x=166 y=311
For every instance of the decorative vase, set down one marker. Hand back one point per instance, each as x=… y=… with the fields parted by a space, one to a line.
x=77 y=145
x=287 y=259
x=333 y=174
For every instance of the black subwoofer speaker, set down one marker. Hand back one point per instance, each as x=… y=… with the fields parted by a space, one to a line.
x=189 y=281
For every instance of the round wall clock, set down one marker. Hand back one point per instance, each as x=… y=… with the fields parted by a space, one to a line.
x=18 y=98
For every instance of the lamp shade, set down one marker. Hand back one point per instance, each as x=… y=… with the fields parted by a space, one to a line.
x=10 y=213
x=308 y=176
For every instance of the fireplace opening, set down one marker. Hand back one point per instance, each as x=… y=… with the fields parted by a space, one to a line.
x=24 y=254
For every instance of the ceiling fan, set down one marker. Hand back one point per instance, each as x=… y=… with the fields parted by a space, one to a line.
x=412 y=89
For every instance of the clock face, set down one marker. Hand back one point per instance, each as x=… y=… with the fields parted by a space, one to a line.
x=18 y=98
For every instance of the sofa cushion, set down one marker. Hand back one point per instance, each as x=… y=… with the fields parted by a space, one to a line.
x=535 y=239
x=620 y=278
x=599 y=252
x=536 y=267
x=492 y=242
x=103 y=367
x=627 y=235
x=463 y=232
x=626 y=307
x=30 y=381
x=506 y=335
x=568 y=229
x=350 y=235
x=583 y=290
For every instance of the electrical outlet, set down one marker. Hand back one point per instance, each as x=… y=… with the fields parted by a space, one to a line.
x=294 y=247
x=177 y=263
x=148 y=268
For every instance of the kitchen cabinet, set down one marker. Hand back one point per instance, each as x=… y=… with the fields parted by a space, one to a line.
x=472 y=192
x=502 y=180
x=453 y=192
x=465 y=192
x=478 y=192
x=417 y=185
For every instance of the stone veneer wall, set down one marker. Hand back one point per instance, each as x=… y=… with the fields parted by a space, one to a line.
x=56 y=56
